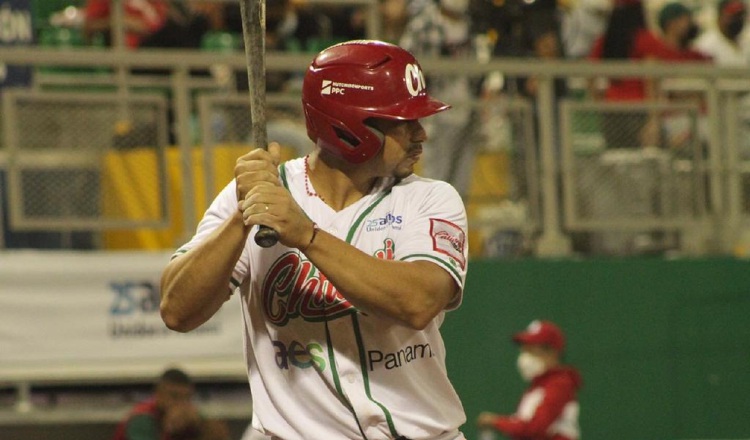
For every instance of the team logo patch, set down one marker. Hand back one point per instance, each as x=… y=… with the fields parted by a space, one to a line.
x=448 y=239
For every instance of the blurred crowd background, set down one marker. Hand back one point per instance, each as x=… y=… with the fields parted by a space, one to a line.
x=551 y=156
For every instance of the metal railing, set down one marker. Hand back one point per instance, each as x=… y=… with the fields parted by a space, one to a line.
x=716 y=168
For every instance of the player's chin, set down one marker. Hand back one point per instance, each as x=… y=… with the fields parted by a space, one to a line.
x=404 y=169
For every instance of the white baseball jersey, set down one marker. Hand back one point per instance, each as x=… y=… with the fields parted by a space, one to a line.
x=318 y=367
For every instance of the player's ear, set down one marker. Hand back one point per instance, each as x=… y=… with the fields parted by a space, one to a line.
x=275 y=149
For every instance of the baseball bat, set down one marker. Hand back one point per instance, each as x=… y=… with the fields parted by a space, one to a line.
x=254 y=34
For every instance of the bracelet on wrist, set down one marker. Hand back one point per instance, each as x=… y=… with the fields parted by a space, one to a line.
x=314 y=234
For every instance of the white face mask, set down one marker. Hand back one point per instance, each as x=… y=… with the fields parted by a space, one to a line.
x=529 y=366
x=456 y=6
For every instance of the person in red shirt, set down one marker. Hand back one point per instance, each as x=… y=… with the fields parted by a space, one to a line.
x=678 y=30
x=626 y=37
x=170 y=414
x=142 y=18
x=549 y=407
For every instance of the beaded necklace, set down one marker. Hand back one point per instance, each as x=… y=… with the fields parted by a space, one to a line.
x=308 y=184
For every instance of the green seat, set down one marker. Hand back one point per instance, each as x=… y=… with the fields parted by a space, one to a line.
x=62 y=38
x=42 y=10
x=223 y=42
x=586 y=127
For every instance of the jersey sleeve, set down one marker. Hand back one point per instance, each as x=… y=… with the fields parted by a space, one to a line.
x=222 y=208
x=436 y=231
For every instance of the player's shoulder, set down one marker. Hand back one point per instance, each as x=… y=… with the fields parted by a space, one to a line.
x=418 y=187
x=291 y=171
x=292 y=166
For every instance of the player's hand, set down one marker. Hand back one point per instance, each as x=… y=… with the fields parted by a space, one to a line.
x=258 y=167
x=181 y=417
x=273 y=206
x=486 y=419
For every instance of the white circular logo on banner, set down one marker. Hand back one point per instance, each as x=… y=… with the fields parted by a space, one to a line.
x=415 y=83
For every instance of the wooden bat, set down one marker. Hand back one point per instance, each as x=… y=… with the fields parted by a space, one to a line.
x=254 y=34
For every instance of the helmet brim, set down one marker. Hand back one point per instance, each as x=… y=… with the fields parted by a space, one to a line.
x=415 y=108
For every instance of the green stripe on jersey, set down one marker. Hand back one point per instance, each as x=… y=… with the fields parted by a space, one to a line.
x=442 y=263
x=355 y=225
x=355 y=322
x=282 y=175
x=337 y=381
x=366 y=377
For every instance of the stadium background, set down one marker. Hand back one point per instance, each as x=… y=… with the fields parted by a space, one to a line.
x=659 y=335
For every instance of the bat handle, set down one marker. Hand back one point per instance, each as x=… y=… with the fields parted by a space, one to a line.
x=266 y=237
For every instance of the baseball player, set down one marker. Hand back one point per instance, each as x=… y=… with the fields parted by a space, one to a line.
x=342 y=316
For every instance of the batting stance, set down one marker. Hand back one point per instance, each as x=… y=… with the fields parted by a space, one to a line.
x=342 y=316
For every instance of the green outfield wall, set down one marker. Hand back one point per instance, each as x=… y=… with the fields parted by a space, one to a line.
x=663 y=345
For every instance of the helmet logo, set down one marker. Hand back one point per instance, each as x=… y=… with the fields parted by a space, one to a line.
x=328 y=89
x=415 y=83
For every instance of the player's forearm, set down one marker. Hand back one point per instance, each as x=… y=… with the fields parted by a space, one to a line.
x=196 y=284
x=412 y=293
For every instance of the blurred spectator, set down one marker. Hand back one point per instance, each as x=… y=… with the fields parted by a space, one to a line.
x=545 y=44
x=722 y=43
x=141 y=19
x=582 y=23
x=184 y=27
x=288 y=25
x=346 y=22
x=725 y=45
x=549 y=407
x=212 y=10
x=170 y=414
x=508 y=23
x=627 y=38
x=679 y=30
x=441 y=29
x=394 y=16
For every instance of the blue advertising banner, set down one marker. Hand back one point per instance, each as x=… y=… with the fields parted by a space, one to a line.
x=16 y=29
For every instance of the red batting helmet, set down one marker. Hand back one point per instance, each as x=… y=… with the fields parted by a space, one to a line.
x=351 y=82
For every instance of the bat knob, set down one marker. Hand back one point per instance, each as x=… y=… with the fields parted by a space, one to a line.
x=266 y=237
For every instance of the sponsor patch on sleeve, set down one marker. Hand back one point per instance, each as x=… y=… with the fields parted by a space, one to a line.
x=448 y=239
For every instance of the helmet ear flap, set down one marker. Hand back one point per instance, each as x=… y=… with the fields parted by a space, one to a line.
x=378 y=134
x=356 y=143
